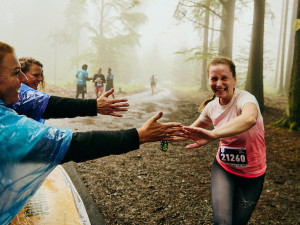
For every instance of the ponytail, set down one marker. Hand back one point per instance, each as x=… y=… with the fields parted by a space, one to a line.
x=205 y=102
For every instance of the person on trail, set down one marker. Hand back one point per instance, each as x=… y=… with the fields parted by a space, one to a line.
x=30 y=150
x=82 y=77
x=239 y=168
x=109 y=81
x=99 y=81
x=153 y=83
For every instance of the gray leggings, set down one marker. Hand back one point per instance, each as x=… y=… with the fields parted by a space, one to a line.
x=233 y=197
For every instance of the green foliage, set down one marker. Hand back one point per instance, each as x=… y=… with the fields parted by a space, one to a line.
x=117 y=33
x=287 y=122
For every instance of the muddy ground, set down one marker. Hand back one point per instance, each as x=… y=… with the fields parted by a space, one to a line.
x=148 y=186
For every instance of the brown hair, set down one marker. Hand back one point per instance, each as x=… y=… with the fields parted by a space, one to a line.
x=216 y=61
x=4 y=49
x=26 y=63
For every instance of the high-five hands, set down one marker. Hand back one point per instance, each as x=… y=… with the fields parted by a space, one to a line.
x=199 y=135
x=106 y=106
x=152 y=130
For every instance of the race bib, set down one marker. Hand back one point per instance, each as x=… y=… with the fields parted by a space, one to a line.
x=236 y=157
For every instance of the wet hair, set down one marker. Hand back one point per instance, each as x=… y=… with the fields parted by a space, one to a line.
x=84 y=67
x=26 y=63
x=216 y=61
x=4 y=49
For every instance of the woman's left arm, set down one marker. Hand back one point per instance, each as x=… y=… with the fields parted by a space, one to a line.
x=236 y=126
x=240 y=124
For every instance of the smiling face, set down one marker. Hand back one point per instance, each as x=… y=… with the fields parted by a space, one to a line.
x=222 y=82
x=34 y=75
x=11 y=77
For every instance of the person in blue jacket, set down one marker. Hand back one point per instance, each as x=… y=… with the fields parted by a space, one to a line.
x=82 y=77
x=30 y=150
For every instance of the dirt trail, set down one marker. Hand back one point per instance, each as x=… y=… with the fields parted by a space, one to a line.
x=142 y=107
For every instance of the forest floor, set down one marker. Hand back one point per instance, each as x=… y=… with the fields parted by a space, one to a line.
x=149 y=186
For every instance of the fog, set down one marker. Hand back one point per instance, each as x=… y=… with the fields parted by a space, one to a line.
x=30 y=25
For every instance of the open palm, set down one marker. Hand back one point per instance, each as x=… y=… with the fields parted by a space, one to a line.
x=199 y=135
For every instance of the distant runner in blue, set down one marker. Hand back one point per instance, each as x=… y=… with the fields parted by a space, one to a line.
x=82 y=77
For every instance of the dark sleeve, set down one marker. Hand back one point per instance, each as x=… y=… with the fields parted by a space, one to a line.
x=103 y=78
x=95 y=144
x=59 y=107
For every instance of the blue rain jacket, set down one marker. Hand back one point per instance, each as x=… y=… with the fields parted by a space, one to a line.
x=32 y=103
x=29 y=151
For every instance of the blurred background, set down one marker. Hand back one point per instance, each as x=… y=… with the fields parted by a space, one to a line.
x=138 y=38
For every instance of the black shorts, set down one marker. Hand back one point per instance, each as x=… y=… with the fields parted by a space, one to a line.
x=80 y=88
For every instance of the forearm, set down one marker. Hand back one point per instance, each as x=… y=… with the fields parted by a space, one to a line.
x=59 y=107
x=235 y=126
x=95 y=144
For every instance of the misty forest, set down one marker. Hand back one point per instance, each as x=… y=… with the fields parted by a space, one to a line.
x=174 y=40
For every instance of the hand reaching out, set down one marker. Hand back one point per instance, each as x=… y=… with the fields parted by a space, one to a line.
x=152 y=130
x=106 y=106
x=199 y=135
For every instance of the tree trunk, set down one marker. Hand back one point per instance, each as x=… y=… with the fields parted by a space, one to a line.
x=289 y=62
x=294 y=92
x=203 y=85
x=254 y=82
x=281 y=74
x=227 y=23
x=275 y=83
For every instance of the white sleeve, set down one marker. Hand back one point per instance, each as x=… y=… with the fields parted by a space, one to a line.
x=204 y=116
x=244 y=98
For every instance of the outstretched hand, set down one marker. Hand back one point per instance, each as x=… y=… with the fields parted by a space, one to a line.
x=152 y=130
x=106 y=106
x=199 y=135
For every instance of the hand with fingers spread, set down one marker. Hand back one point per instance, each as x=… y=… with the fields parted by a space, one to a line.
x=152 y=130
x=106 y=106
x=199 y=135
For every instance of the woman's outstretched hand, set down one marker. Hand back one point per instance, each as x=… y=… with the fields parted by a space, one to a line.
x=152 y=130
x=106 y=106
x=199 y=135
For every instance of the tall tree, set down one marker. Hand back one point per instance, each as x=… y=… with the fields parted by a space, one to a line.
x=199 y=12
x=292 y=117
x=203 y=83
x=279 y=47
x=254 y=81
x=290 y=53
x=116 y=33
x=75 y=14
x=227 y=23
x=281 y=74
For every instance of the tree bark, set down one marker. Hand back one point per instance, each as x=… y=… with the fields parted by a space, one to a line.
x=289 y=62
x=227 y=23
x=275 y=82
x=254 y=82
x=203 y=85
x=281 y=74
x=294 y=92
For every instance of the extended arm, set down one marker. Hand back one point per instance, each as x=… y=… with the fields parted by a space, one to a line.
x=243 y=122
x=59 y=107
x=91 y=145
